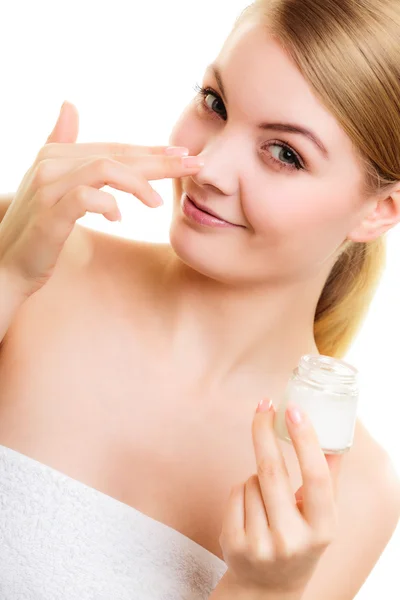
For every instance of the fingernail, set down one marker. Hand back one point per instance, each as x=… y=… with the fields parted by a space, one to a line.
x=295 y=415
x=192 y=162
x=176 y=151
x=264 y=405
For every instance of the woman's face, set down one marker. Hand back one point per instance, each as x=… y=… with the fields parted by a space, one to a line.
x=295 y=203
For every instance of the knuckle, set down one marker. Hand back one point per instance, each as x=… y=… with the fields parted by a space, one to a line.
x=261 y=552
x=40 y=156
x=41 y=174
x=47 y=151
x=102 y=165
x=123 y=150
x=288 y=550
x=317 y=479
x=81 y=194
x=43 y=153
x=116 y=149
x=290 y=544
x=164 y=161
x=269 y=469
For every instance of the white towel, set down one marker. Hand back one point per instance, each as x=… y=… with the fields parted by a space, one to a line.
x=61 y=539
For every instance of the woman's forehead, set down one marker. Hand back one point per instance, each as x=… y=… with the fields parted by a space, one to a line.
x=262 y=80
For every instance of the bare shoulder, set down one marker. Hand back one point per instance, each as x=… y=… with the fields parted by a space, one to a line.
x=96 y=273
x=108 y=255
x=98 y=251
x=369 y=494
x=370 y=465
x=110 y=268
x=372 y=483
x=368 y=504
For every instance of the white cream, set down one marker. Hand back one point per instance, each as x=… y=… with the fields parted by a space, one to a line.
x=327 y=390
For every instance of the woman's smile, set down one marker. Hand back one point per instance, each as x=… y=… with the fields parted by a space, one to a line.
x=194 y=213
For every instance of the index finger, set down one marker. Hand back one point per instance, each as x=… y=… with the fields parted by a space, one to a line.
x=56 y=150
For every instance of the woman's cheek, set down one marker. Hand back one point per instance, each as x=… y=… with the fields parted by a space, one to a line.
x=291 y=212
x=271 y=213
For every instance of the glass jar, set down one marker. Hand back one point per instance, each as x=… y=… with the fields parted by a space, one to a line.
x=326 y=389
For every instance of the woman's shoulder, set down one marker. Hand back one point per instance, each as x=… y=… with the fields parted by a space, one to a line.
x=370 y=490
x=99 y=254
x=369 y=463
x=96 y=270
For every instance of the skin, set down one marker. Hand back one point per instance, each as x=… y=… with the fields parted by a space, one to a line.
x=164 y=333
x=294 y=221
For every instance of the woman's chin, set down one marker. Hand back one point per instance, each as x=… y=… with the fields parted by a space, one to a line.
x=206 y=252
x=188 y=245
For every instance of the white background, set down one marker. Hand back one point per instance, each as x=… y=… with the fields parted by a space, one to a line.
x=130 y=67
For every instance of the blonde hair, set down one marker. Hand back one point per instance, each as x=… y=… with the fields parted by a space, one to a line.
x=349 y=52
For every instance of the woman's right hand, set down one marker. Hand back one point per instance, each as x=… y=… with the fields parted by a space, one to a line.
x=63 y=184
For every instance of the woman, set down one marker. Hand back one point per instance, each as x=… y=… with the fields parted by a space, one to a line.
x=130 y=372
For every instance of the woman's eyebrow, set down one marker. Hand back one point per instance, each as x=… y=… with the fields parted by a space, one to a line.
x=285 y=127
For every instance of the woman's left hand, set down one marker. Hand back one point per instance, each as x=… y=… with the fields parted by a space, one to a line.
x=271 y=538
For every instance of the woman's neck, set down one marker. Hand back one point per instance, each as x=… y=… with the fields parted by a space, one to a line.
x=219 y=332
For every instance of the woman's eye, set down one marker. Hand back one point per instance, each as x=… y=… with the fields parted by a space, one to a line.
x=285 y=153
x=212 y=104
x=207 y=95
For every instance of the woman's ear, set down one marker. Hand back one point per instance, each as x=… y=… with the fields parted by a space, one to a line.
x=384 y=214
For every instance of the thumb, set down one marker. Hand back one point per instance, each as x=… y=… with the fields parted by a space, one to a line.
x=66 y=128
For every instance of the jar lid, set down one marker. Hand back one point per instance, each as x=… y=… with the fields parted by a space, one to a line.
x=327 y=370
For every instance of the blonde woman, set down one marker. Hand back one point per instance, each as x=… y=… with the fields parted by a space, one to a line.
x=133 y=462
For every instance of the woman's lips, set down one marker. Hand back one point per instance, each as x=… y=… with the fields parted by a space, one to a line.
x=201 y=217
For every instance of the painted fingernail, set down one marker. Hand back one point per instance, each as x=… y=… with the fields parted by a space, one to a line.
x=264 y=405
x=176 y=151
x=295 y=415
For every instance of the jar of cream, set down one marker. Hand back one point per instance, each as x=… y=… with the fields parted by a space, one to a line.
x=326 y=389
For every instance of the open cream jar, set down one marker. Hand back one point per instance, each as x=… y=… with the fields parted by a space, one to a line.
x=326 y=389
